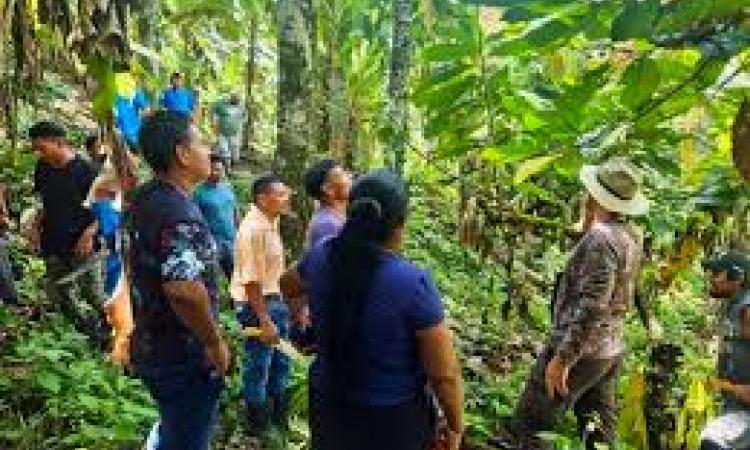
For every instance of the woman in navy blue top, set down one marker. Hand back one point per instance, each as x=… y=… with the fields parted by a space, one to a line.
x=383 y=346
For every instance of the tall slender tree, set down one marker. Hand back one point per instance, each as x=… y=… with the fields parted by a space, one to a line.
x=397 y=83
x=248 y=148
x=293 y=128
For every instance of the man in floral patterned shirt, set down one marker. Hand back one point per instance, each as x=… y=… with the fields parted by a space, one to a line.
x=578 y=367
x=177 y=347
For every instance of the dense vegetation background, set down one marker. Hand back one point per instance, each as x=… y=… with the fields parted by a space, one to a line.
x=488 y=107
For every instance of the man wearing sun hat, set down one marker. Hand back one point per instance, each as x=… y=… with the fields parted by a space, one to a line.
x=578 y=367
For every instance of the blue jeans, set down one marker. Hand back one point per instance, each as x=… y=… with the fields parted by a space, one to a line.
x=188 y=401
x=265 y=371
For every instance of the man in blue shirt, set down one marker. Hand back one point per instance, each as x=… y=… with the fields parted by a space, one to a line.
x=177 y=97
x=216 y=200
x=128 y=116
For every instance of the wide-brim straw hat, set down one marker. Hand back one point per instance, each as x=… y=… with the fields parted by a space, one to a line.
x=616 y=186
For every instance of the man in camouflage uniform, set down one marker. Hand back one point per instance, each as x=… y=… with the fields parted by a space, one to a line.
x=578 y=366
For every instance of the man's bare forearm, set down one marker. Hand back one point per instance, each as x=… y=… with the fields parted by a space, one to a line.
x=191 y=302
x=294 y=293
x=256 y=301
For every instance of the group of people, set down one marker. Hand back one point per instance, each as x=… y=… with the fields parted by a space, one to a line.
x=384 y=358
x=227 y=114
x=384 y=373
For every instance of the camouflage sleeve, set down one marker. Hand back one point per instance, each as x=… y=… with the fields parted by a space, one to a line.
x=589 y=324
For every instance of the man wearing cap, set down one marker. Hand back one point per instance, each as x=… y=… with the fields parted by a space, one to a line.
x=258 y=266
x=578 y=367
x=727 y=278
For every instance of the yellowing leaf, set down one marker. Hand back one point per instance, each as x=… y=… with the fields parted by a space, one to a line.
x=32 y=7
x=632 y=422
x=427 y=8
x=724 y=144
x=533 y=166
x=698 y=408
x=688 y=156
x=125 y=84
x=697 y=399
x=556 y=66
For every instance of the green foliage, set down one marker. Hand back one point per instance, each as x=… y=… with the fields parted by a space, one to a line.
x=59 y=394
x=641 y=80
x=636 y=20
x=514 y=100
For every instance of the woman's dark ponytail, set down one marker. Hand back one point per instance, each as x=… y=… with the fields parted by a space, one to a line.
x=378 y=204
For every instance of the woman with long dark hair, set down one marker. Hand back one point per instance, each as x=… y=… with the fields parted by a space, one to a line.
x=384 y=350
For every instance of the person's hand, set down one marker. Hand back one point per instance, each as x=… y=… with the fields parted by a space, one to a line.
x=447 y=439
x=31 y=231
x=34 y=242
x=718 y=385
x=721 y=385
x=269 y=334
x=85 y=245
x=302 y=320
x=556 y=378
x=220 y=357
x=453 y=440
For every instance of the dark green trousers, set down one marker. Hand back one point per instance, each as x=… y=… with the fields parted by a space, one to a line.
x=592 y=396
x=81 y=300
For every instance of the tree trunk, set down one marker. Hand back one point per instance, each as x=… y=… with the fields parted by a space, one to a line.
x=148 y=22
x=352 y=142
x=248 y=142
x=293 y=129
x=400 y=63
x=7 y=97
x=323 y=93
x=338 y=106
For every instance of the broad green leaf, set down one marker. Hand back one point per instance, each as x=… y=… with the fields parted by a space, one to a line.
x=89 y=402
x=569 y=164
x=517 y=150
x=447 y=93
x=446 y=52
x=102 y=71
x=641 y=80
x=50 y=381
x=519 y=14
x=636 y=20
x=533 y=166
x=711 y=72
x=569 y=106
x=538 y=3
x=550 y=32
